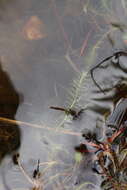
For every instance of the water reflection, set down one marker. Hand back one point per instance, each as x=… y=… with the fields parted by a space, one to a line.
x=9 y=102
x=69 y=35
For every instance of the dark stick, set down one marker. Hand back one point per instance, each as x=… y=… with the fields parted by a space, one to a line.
x=117 y=55
x=58 y=108
x=36 y=171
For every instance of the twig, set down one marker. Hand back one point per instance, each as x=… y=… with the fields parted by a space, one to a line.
x=71 y=62
x=24 y=172
x=95 y=22
x=60 y=24
x=37 y=184
x=48 y=163
x=85 y=43
x=16 y=122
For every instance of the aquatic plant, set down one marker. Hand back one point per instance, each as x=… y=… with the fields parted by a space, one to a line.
x=111 y=152
x=36 y=181
x=83 y=94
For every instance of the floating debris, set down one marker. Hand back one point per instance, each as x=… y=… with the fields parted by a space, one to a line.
x=71 y=112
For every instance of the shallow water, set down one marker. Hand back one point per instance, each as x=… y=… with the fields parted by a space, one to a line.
x=44 y=46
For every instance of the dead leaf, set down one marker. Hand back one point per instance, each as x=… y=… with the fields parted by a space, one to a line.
x=34 y=29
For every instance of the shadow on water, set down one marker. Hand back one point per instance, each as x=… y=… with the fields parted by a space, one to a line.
x=9 y=102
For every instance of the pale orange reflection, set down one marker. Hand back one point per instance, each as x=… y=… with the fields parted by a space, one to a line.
x=34 y=29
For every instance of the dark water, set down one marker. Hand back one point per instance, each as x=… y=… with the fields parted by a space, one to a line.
x=37 y=71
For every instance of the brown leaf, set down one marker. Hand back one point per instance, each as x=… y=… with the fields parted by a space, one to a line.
x=34 y=29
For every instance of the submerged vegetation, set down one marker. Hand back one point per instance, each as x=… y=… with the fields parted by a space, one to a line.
x=94 y=109
x=111 y=154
